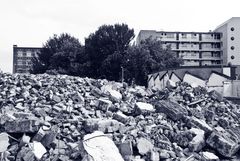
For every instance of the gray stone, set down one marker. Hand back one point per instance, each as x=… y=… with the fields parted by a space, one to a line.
x=208 y=156
x=224 y=143
x=172 y=109
x=198 y=142
x=21 y=126
x=104 y=125
x=144 y=146
x=199 y=123
x=125 y=148
x=119 y=116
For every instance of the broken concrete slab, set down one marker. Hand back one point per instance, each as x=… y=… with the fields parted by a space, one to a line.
x=198 y=142
x=144 y=146
x=103 y=125
x=119 y=116
x=100 y=147
x=4 y=142
x=172 y=109
x=21 y=126
x=141 y=106
x=208 y=156
x=125 y=148
x=199 y=123
x=224 y=143
x=38 y=149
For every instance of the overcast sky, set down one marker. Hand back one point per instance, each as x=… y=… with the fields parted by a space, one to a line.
x=31 y=22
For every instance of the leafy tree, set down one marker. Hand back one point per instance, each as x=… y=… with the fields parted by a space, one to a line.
x=58 y=53
x=105 y=50
x=148 y=57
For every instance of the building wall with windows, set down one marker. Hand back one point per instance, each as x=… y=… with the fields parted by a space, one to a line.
x=196 y=48
x=22 y=58
x=230 y=40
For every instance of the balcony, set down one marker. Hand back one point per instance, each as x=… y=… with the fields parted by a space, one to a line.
x=189 y=47
x=167 y=39
x=191 y=63
x=210 y=49
x=210 y=58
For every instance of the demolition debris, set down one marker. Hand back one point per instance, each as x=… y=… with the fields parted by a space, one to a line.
x=65 y=118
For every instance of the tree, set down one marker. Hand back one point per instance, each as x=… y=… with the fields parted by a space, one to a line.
x=105 y=50
x=148 y=57
x=58 y=53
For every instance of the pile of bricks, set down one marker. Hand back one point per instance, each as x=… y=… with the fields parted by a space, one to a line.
x=54 y=113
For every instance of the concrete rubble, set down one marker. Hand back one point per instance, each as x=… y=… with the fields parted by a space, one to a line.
x=65 y=118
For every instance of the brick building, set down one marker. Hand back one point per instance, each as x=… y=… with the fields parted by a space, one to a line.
x=22 y=58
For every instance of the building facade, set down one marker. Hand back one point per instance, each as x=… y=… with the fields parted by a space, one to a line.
x=230 y=39
x=196 y=48
x=22 y=58
x=220 y=47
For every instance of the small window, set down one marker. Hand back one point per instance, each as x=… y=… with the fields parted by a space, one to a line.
x=232 y=29
x=232 y=57
x=184 y=36
x=232 y=47
x=232 y=38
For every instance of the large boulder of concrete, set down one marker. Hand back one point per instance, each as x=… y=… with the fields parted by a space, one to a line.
x=172 y=109
x=224 y=143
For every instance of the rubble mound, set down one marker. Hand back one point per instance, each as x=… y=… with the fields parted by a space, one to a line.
x=48 y=117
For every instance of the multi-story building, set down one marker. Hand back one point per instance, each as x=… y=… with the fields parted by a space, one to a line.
x=196 y=48
x=22 y=58
x=230 y=39
x=220 y=47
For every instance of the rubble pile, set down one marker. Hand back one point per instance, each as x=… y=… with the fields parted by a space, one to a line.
x=54 y=118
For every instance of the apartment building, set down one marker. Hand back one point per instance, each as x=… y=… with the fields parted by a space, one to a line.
x=218 y=47
x=22 y=58
x=230 y=31
x=196 y=48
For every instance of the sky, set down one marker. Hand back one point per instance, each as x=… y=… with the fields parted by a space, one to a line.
x=30 y=23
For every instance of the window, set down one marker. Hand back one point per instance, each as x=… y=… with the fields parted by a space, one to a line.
x=170 y=35
x=232 y=38
x=232 y=47
x=232 y=57
x=216 y=36
x=19 y=54
x=184 y=36
x=33 y=54
x=184 y=45
x=193 y=36
x=232 y=29
x=29 y=54
x=24 y=54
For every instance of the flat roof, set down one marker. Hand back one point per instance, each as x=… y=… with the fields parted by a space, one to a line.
x=192 y=32
x=224 y=23
x=17 y=47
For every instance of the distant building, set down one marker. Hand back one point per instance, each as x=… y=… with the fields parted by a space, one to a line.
x=230 y=39
x=22 y=58
x=196 y=48
x=218 y=47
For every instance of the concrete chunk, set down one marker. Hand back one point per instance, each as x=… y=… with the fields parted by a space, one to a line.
x=172 y=109
x=224 y=143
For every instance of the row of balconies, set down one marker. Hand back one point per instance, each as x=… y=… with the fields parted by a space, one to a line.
x=192 y=37
x=195 y=49
x=174 y=39
x=203 y=63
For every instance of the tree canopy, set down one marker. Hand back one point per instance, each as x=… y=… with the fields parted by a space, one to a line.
x=105 y=54
x=58 y=53
x=148 y=57
x=105 y=49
